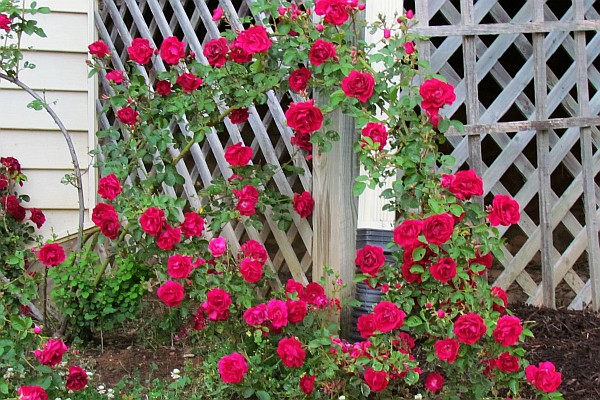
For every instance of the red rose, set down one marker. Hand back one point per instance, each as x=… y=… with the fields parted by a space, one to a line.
x=247 y=199
x=217 y=304
x=163 y=88
x=407 y=233
x=255 y=251
x=376 y=380
x=314 y=294
x=335 y=11
x=5 y=22
x=115 y=76
x=377 y=132
x=322 y=51
x=257 y=315
x=447 y=350
x=254 y=40
x=369 y=259
x=302 y=140
x=366 y=325
x=3 y=182
x=232 y=368
x=152 y=221
x=127 y=115
x=12 y=207
x=469 y=328
x=544 y=377
x=304 y=117
x=434 y=382
x=504 y=211
x=99 y=49
x=277 y=313
x=438 y=228
x=215 y=52
x=171 y=293
x=192 y=225
x=109 y=187
x=405 y=342
x=251 y=270
x=239 y=116
x=217 y=246
x=238 y=54
x=179 y=266
x=238 y=154
x=105 y=216
x=217 y=14
x=408 y=275
x=140 y=51
x=37 y=217
x=172 y=50
x=409 y=47
x=443 y=270
x=51 y=254
x=466 y=184
x=32 y=393
x=307 y=383
x=508 y=330
x=293 y=286
x=388 y=316
x=77 y=378
x=499 y=296
x=52 y=352
x=189 y=82
x=436 y=94
x=168 y=238
x=485 y=260
x=359 y=85
x=508 y=363
x=296 y=310
x=299 y=79
x=291 y=352
x=12 y=165
x=304 y=204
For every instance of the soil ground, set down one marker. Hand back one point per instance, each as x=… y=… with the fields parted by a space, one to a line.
x=569 y=339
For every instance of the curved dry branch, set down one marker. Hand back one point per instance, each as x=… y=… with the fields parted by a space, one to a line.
x=69 y=141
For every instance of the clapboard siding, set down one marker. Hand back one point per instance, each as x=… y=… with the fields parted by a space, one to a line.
x=27 y=146
x=67 y=74
x=71 y=107
x=47 y=193
x=32 y=136
x=66 y=32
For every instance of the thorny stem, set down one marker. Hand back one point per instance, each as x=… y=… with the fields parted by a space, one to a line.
x=108 y=258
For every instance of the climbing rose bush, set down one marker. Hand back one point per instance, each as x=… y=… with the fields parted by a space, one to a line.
x=440 y=331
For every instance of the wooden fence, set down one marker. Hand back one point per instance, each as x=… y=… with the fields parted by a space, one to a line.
x=525 y=71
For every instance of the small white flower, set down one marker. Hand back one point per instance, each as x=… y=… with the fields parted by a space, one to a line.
x=418 y=396
x=110 y=396
x=89 y=373
x=101 y=387
x=342 y=397
x=10 y=369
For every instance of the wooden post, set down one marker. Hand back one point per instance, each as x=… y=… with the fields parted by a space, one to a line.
x=543 y=157
x=335 y=214
x=587 y=162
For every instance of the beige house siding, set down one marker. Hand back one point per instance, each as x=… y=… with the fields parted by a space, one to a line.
x=31 y=136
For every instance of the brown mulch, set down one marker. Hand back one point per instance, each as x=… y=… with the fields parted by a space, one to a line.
x=569 y=339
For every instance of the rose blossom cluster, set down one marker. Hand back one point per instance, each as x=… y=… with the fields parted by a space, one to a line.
x=51 y=355
x=10 y=174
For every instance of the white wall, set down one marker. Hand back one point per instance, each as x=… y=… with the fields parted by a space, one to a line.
x=31 y=136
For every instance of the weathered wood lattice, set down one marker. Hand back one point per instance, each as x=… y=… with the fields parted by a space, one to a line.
x=118 y=22
x=526 y=70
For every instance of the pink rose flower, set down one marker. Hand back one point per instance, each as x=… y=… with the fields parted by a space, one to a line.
x=217 y=246
x=172 y=50
x=232 y=368
x=140 y=51
x=171 y=293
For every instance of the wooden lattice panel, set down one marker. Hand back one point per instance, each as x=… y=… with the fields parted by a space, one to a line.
x=527 y=83
x=118 y=23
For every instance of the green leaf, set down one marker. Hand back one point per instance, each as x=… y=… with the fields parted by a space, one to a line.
x=418 y=253
x=359 y=188
x=20 y=324
x=262 y=395
x=248 y=392
x=413 y=321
